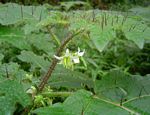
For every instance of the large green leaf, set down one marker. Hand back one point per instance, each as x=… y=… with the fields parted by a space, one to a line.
x=62 y=77
x=42 y=42
x=116 y=85
x=56 y=110
x=34 y=13
x=101 y=32
x=101 y=37
x=35 y=60
x=103 y=26
x=142 y=11
x=141 y=105
x=14 y=36
x=11 y=94
x=83 y=102
x=136 y=31
x=129 y=91
x=55 y=18
x=13 y=71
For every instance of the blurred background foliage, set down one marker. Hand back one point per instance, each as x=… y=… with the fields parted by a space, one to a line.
x=100 y=4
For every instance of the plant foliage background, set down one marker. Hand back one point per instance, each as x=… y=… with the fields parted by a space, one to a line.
x=112 y=77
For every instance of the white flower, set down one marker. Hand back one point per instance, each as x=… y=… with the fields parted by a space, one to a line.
x=69 y=59
x=80 y=53
x=77 y=55
x=67 y=52
x=76 y=59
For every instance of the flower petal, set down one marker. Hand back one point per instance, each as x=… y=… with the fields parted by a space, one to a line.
x=59 y=58
x=76 y=60
x=80 y=53
x=78 y=49
x=67 y=53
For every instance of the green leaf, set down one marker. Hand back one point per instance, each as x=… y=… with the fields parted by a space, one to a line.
x=14 y=36
x=11 y=94
x=35 y=60
x=56 y=110
x=131 y=92
x=116 y=85
x=11 y=68
x=100 y=32
x=136 y=31
x=55 y=18
x=62 y=77
x=142 y=11
x=30 y=27
x=42 y=42
x=83 y=102
x=22 y=13
x=101 y=37
x=141 y=105
x=13 y=71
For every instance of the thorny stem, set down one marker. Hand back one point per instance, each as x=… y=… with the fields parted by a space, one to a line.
x=40 y=16
x=55 y=61
x=21 y=11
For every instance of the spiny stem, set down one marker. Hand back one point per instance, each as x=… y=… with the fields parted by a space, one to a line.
x=54 y=60
x=7 y=74
x=21 y=11
x=102 y=22
x=117 y=19
x=144 y=29
x=32 y=10
x=105 y=18
x=112 y=22
x=124 y=18
x=134 y=26
x=131 y=27
x=93 y=16
x=40 y=15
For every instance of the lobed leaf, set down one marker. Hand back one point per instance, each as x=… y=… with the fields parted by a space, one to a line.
x=14 y=36
x=62 y=77
x=11 y=94
x=35 y=60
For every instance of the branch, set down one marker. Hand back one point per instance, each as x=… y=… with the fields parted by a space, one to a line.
x=55 y=61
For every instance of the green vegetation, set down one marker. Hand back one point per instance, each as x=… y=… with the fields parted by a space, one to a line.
x=74 y=62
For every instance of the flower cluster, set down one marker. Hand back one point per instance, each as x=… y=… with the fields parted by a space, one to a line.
x=69 y=59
